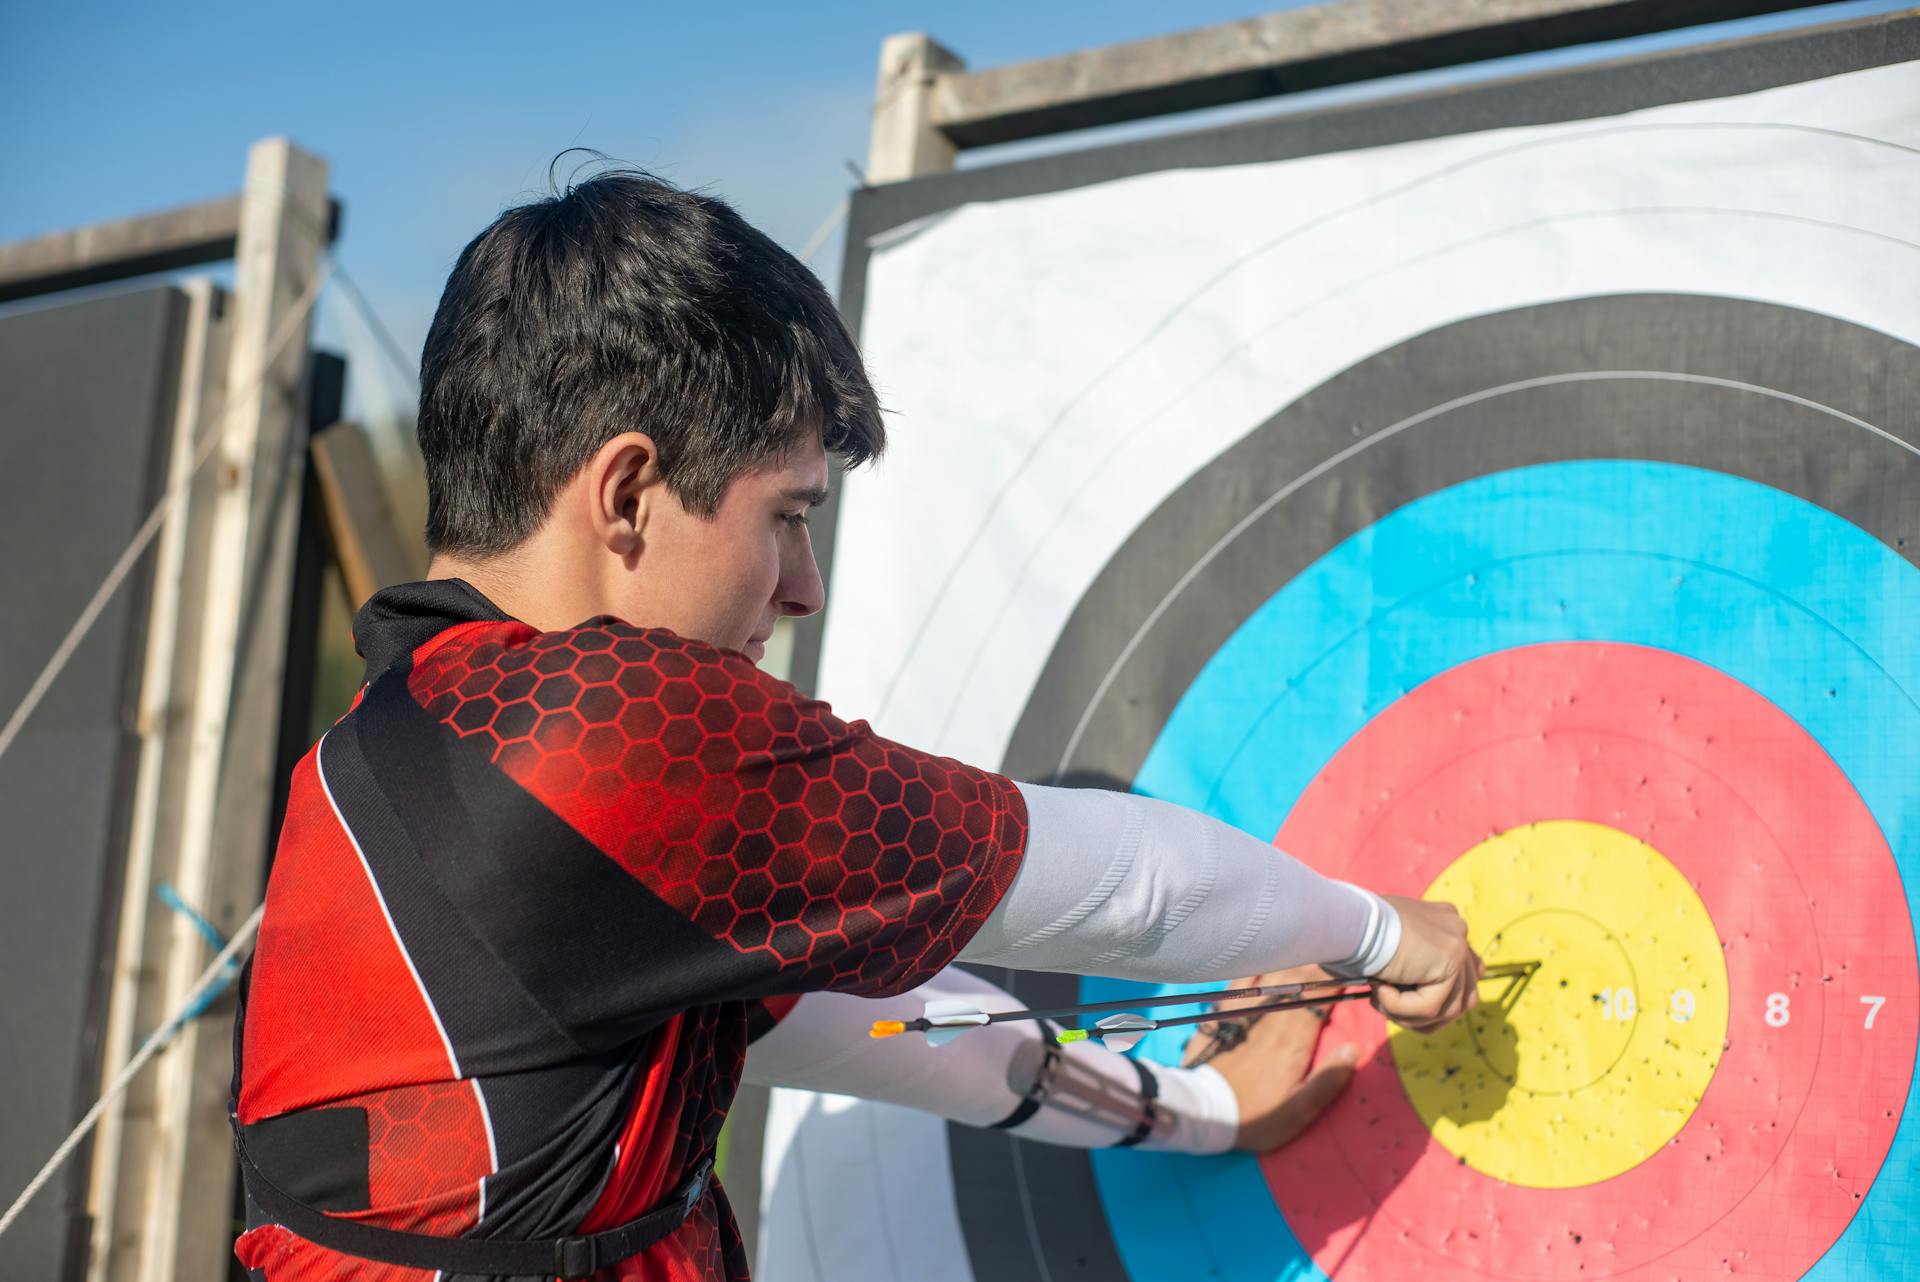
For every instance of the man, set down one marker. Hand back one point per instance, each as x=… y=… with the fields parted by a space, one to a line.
x=571 y=852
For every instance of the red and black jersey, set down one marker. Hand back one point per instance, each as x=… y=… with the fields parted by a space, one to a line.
x=534 y=895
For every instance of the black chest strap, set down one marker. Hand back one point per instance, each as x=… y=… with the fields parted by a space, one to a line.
x=565 y=1257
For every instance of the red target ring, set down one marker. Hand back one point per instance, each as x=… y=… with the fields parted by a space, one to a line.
x=1803 y=892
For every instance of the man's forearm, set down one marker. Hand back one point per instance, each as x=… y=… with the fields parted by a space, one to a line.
x=1114 y=884
x=1087 y=1097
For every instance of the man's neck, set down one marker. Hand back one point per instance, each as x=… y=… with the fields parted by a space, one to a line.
x=535 y=594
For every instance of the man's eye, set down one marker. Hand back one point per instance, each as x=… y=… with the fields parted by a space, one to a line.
x=794 y=518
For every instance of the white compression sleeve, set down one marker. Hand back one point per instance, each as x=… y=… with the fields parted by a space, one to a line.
x=823 y=1045
x=1120 y=885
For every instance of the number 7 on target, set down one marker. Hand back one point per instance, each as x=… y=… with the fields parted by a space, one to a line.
x=1873 y=1005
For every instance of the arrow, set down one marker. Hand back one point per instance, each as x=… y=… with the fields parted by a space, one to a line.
x=1123 y=1032
x=947 y=1019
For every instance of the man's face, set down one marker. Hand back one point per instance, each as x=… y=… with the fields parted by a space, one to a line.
x=725 y=579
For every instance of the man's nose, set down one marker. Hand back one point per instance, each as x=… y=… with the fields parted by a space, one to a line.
x=801 y=590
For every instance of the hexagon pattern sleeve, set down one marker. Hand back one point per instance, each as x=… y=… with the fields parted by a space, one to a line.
x=808 y=852
x=1115 y=884
x=822 y=1045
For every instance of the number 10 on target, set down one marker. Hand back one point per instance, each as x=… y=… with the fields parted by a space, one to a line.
x=1620 y=1003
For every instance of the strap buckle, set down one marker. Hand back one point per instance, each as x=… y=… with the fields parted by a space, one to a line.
x=575 y=1257
x=697 y=1187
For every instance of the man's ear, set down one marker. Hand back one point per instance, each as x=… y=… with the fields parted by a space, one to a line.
x=624 y=486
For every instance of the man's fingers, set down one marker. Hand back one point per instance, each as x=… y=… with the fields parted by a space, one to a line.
x=1466 y=995
x=1419 y=1009
x=1466 y=992
x=1308 y=1100
x=1432 y=1006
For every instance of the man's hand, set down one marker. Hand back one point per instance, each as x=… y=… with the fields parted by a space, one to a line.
x=1434 y=977
x=1268 y=1071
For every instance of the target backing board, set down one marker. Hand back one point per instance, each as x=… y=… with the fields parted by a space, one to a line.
x=1510 y=495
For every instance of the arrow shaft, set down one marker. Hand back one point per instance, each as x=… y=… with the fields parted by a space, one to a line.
x=1171 y=999
x=1319 y=999
x=1505 y=970
x=1128 y=1034
x=1293 y=995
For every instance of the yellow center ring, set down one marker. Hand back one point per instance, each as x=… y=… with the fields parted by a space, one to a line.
x=1584 y=1069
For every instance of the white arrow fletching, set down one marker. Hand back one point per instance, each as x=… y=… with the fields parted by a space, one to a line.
x=950 y=1019
x=1123 y=1032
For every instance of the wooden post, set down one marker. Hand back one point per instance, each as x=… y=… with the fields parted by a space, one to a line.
x=239 y=623
x=905 y=142
x=361 y=527
x=135 y=1007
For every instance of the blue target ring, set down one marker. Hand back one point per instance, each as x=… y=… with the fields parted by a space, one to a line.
x=1796 y=603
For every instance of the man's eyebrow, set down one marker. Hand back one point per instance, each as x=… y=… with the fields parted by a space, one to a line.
x=811 y=495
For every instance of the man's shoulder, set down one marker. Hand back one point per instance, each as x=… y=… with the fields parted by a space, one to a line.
x=509 y=678
x=593 y=652
x=593 y=714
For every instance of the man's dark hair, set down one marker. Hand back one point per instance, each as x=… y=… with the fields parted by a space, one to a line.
x=625 y=304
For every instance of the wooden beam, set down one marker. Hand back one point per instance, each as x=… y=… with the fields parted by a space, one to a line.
x=1287 y=52
x=367 y=542
x=174 y=238
x=187 y=236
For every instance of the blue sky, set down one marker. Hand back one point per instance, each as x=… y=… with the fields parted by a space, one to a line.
x=435 y=116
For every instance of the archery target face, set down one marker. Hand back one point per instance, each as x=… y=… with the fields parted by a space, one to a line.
x=1592 y=609
x=1643 y=705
